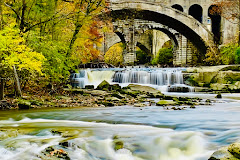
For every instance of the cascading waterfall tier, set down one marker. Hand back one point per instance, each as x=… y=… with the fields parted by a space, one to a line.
x=164 y=79
x=158 y=77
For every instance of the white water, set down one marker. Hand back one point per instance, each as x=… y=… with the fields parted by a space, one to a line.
x=95 y=142
x=159 y=78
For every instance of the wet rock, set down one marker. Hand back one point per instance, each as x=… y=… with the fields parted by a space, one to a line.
x=192 y=106
x=140 y=105
x=104 y=85
x=175 y=88
x=115 y=87
x=89 y=87
x=166 y=103
x=218 y=95
x=108 y=104
x=208 y=101
x=112 y=99
x=145 y=89
x=130 y=92
x=64 y=144
x=55 y=152
x=24 y=104
x=234 y=149
x=118 y=144
x=222 y=154
x=5 y=105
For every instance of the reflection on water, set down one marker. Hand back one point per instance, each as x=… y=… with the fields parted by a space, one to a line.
x=151 y=133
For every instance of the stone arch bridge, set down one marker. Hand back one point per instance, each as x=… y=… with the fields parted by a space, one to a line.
x=131 y=18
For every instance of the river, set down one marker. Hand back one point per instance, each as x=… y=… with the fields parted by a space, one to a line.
x=149 y=133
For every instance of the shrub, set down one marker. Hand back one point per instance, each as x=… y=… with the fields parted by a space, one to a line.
x=164 y=56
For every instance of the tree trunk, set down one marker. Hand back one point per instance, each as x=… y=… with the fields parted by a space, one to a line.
x=74 y=38
x=2 y=89
x=18 y=88
x=1 y=16
x=22 y=22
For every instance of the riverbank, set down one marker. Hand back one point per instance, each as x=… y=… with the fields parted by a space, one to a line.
x=214 y=79
x=105 y=95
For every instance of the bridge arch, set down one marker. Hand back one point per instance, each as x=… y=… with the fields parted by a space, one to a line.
x=196 y=11
x=188 y=26
x=177 y=7
x=215 y=23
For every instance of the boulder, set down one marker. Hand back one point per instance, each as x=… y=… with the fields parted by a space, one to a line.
x=146 y=89
x=234 y=149
x=24 y=104
x=104 y=85
x=218 y=95
x=222 y=154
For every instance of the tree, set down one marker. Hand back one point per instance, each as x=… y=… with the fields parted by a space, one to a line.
x=114 y=55
x=34 y=13
x=229 y=9
x=83 y=13
x=16 y=55
x=164 y=56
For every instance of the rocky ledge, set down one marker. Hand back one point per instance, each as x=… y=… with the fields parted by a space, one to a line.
x=231 y=152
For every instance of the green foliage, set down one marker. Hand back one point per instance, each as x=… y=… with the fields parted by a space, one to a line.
x=228 y=54
x=164 y=56
x=15 y=52
x=57 y=65
x=142 y=57
x=237 y=55
x=114 y=55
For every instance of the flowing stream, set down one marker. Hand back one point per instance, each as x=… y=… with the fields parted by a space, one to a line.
x=149 y=133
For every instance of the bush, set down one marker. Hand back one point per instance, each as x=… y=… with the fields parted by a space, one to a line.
x=164 y=56
x=228 y=54
x=142 y=57
x=237 y=55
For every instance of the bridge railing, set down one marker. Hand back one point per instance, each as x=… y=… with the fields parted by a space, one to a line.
x=152 y=1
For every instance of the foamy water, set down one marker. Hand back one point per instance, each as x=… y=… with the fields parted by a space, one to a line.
x=95 y=141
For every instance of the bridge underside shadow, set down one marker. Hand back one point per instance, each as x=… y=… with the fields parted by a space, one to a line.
x=125 y=14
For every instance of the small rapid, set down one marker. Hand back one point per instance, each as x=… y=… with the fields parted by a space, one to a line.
x=93 y=141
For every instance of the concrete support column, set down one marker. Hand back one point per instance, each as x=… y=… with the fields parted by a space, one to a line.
x=130 y=53
x=183 y=55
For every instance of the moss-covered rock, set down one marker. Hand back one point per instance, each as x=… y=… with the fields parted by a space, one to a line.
x=103 y=85
x=218 y=95
x=234 y=149
x=24 y=104
x=222 y=154
x=166 y=103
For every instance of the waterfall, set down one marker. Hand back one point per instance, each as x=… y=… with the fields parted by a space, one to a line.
x=164 y=79
x=158 y=77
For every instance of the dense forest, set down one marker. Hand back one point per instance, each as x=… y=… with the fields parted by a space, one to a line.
x=42 y=41
x=45 y=39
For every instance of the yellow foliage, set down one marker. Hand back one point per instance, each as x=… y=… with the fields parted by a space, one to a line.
x=115 y=54
x=14 y=51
